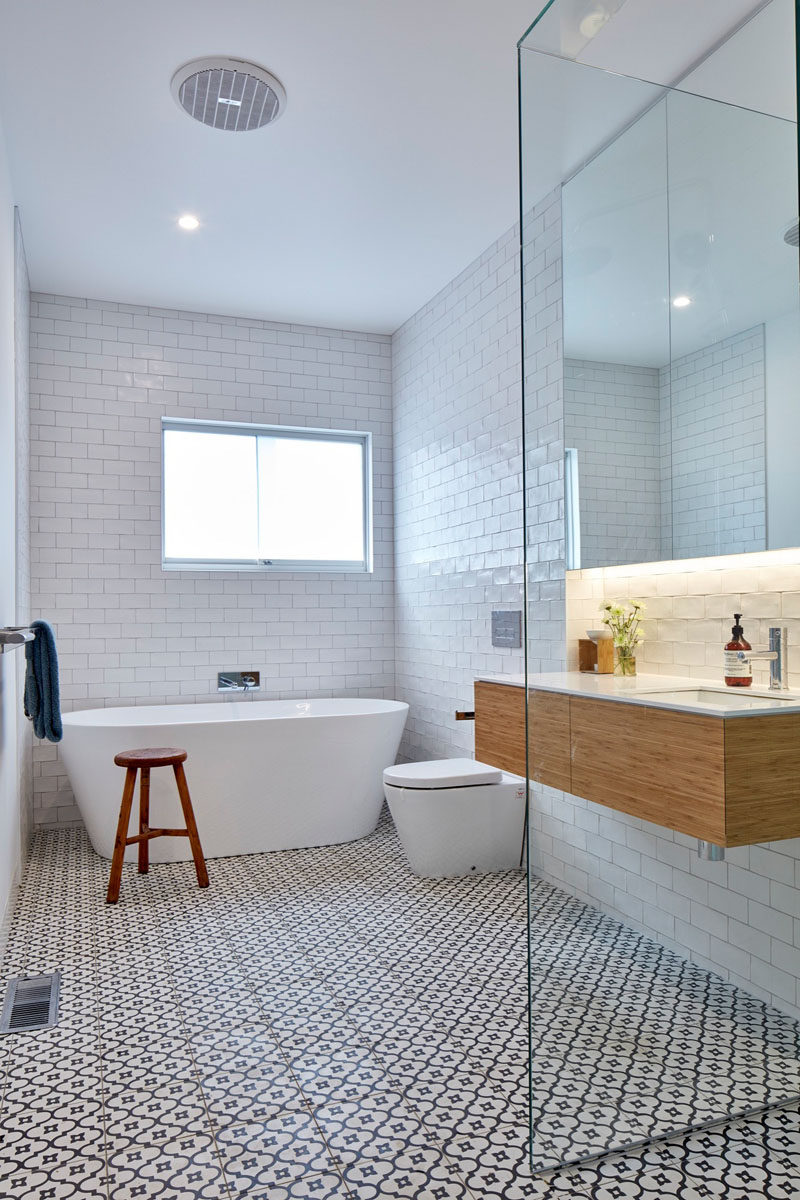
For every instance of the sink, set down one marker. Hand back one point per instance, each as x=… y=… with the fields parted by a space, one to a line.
x=710 y=698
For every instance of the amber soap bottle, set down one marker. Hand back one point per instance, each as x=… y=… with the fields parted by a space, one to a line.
x=738 y=671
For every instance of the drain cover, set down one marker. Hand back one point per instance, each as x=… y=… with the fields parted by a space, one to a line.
x=31 y=1004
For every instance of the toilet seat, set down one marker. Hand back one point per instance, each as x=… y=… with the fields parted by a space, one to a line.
x=442 y=773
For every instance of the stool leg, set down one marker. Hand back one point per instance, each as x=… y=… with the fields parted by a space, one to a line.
x=144 y=820
x=191 y=825
x=115 y=878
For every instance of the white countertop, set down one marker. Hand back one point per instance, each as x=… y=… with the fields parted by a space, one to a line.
x=719 y=700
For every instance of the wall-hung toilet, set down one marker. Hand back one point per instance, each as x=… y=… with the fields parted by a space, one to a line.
x=455 y=816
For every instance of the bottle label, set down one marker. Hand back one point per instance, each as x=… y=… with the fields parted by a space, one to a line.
x=735 y=667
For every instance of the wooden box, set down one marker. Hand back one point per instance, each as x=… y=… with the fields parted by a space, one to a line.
x=596 y=657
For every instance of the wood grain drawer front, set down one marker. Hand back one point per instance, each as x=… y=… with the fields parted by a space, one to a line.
x=500 y=726
x=549 y=733
x=665 y=767
x=762 y=761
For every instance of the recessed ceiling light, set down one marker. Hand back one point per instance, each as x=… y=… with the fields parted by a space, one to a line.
x=681 y=302
x=187 y=221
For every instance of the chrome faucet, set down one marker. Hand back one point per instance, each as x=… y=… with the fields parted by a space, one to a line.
x=776 y=656
x=239 y=681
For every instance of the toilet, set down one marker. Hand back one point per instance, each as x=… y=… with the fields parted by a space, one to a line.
x=456 y=817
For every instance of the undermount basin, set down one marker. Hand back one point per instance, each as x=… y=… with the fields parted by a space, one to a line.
x=710 y=698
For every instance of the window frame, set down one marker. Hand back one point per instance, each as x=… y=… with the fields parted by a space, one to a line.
x=243 y=429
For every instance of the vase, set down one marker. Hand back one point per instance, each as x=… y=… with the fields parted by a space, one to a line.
x=625 y=662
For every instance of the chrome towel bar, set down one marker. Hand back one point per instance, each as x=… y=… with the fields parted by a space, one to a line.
x=15 y=635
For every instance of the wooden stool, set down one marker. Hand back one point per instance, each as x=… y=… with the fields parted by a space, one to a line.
x=143 y=760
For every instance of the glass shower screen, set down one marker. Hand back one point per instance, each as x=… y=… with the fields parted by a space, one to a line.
x=659 y=312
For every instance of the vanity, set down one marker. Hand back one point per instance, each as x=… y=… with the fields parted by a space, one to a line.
x=694 y=757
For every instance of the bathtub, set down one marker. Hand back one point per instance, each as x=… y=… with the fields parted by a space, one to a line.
x=263 y=775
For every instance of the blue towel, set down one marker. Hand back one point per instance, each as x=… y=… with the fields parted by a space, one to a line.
x=42 y=703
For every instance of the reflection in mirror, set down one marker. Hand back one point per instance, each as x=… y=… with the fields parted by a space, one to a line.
x=682 y=336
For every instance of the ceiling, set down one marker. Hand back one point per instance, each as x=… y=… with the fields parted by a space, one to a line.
x=394 y=165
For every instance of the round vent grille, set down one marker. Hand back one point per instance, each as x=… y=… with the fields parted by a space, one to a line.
x=792 y=234
x=228 y=93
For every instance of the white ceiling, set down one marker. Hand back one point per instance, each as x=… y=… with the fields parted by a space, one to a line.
x=394 y=165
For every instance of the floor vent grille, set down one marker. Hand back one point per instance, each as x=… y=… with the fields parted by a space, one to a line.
x=31 y=1004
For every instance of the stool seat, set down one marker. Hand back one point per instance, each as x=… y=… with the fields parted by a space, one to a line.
x=152 y=756
x=140 y=762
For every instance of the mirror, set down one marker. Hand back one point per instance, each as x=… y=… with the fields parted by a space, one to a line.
x=682 y=337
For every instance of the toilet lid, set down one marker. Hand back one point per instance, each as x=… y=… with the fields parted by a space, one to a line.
x=441 y=773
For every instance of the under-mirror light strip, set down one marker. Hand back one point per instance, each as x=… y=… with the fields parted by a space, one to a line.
x=721 y=562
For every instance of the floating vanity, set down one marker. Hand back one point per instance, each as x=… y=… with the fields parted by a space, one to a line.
x=716 y=763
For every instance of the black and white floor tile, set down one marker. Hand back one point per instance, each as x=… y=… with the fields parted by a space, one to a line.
x=322 y=1025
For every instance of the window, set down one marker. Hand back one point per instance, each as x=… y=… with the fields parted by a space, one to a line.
x=249 y=497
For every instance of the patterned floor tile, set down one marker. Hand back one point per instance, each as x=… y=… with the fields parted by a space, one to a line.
x=240 y=1099
x=260 y=1157
x=328 y=1186
x=420 y=1173
x=40 y=1183
x=319 y=1012
x=153 y=1116
x=185 y=1169
x=344 y=1074
x=378 y=1126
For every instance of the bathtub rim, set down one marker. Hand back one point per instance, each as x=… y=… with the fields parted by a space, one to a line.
x=218 y=712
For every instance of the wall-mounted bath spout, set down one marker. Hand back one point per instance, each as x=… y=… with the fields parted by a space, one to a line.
x=239 y=681
x=710 y=851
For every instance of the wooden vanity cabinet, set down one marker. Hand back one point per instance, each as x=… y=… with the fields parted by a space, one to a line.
x=500 y=726
x=500 y=732
x=732 y=781
x=663 y=766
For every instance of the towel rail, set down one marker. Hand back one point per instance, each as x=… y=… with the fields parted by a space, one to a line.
x=15 y=635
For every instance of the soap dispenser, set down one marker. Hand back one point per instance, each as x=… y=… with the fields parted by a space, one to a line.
x=738 y=670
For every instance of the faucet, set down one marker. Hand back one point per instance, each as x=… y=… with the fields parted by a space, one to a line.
x=241 y=683
x=226 y=684
x=776 y=656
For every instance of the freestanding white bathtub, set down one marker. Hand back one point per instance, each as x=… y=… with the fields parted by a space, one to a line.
x=263 y=775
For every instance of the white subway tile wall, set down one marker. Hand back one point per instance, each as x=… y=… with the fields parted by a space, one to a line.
x=102 y=376
x=716 y=398
x=740 y=917
x=458 y=515
x=613 y=419
x=689 y=442
x=544 y=435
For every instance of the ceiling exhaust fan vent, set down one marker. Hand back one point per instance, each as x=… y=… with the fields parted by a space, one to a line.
x=228 y=93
